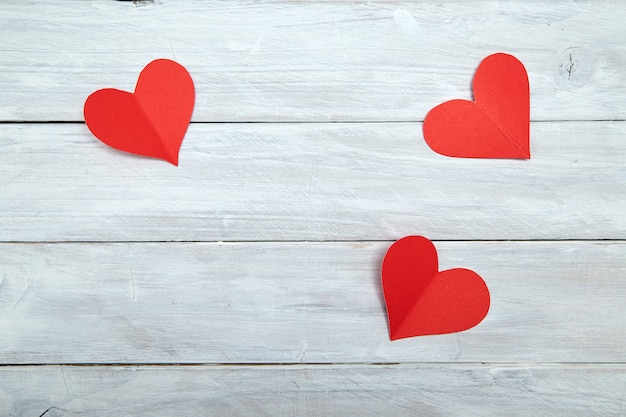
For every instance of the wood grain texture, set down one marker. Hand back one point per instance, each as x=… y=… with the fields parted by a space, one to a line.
x=287 y=316
x=310 y=182
x=298 y=303
x=405 y=390
x=311 y=61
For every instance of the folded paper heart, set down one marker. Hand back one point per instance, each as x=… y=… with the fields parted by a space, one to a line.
x=495 y=125
x=421 y=300
x=153 y=120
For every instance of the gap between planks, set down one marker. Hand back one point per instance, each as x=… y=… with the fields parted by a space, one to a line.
x=304 y=122
x=317 y=365
x=122 y=242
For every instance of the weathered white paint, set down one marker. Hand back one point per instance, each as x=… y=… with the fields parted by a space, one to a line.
x=303 y=303
x=298 y=303
x=340 y=390
x=310 y=182
x=312 y=61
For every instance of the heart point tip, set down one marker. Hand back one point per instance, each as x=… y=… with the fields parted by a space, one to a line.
x=172 y=159
x=397 y=336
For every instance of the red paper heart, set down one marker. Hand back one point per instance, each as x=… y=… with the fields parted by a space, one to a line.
x=153 y=120
x=495 y=125
x=421 y=300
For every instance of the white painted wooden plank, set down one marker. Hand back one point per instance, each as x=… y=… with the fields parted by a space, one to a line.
x=298 y=303
x=413 y=390
x=312 y=61
x=352 y=181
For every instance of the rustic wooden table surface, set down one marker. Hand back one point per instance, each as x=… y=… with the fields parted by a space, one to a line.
x=246 y=281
